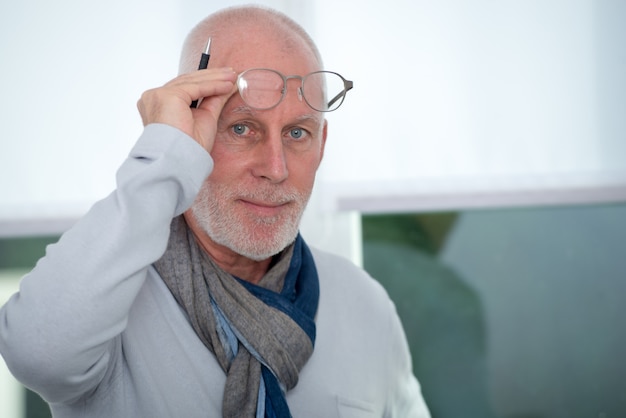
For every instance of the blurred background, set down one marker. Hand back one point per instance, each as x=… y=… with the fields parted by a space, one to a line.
x=477 y=170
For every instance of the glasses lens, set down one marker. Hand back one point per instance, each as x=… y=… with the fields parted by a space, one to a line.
x=315 y=86
x=260 y=88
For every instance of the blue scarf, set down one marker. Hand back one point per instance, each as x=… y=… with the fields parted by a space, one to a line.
x=298 y=299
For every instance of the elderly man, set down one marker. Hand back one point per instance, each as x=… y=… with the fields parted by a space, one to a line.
x=188 y=291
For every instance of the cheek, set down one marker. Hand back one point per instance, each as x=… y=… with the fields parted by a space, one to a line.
x=302 y=171
x=226 y=163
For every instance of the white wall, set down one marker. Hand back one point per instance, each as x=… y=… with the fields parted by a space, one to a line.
x=461 y=103
x=451 y=98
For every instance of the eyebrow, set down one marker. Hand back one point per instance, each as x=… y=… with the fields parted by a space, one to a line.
x=309 y=117
x=247 y=110
x=243 y=109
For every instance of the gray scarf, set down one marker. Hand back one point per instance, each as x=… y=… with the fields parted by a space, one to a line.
x=241 y=330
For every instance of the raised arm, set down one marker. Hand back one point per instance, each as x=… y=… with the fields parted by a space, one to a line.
x=58 y=332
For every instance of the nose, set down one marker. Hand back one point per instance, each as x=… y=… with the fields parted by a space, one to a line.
x=271 y=162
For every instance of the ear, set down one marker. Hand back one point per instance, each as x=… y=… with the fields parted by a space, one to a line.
x=323 y=144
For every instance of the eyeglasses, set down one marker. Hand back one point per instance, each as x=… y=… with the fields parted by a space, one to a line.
x=264 y=88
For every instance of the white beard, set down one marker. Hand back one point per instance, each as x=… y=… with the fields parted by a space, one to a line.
x=254 y=237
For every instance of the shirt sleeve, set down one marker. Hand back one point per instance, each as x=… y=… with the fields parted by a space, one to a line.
x=57 y=331
x=405 y=395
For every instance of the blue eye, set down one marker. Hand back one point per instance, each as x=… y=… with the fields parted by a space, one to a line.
x=296 y=133
x=240 y=129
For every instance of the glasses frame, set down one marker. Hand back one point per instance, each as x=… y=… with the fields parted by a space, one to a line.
x=347 y=85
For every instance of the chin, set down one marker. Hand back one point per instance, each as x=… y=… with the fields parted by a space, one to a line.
x=256 y=239
x=258 y=245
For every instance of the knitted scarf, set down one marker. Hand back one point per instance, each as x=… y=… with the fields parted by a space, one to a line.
x=262 y=335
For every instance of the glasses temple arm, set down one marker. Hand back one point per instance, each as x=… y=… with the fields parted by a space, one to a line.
x=337 y=97
x=347 y=85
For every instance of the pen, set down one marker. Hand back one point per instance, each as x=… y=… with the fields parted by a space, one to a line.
x=204 y=63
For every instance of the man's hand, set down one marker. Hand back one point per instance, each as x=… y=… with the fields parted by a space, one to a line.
x=170 y=104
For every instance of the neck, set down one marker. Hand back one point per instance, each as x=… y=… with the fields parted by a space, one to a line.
x=236 y=264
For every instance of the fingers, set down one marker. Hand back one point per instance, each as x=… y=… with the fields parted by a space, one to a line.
x=203 y=83
x=169 y=104
x=207 y=115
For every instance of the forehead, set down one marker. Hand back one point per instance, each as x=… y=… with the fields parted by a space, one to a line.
x=258 y=47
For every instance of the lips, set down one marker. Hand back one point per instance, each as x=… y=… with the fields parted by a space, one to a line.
x=262 y=203
x=264 y=208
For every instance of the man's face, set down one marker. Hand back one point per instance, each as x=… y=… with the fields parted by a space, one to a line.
x=265 y=164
